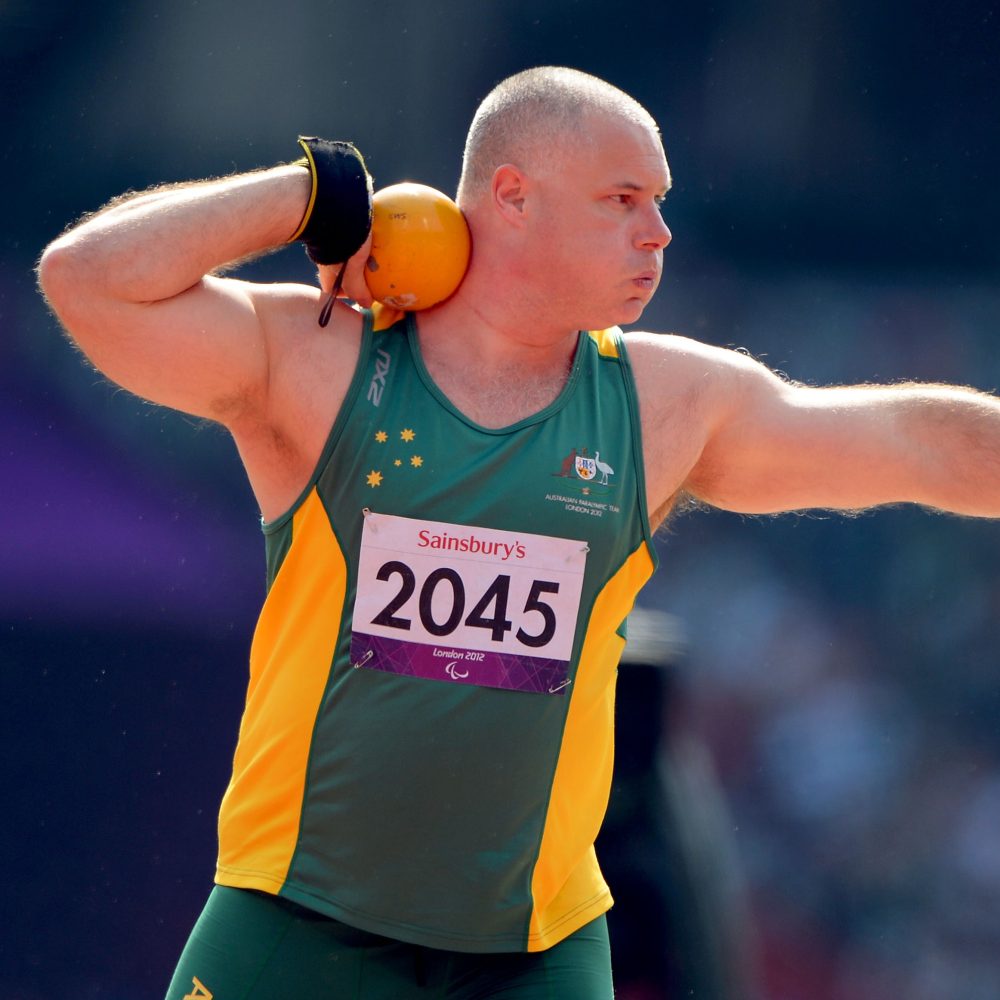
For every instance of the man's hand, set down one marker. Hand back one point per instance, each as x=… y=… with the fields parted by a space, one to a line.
x=354 y=286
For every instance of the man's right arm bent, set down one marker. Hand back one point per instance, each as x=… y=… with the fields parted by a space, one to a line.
x=133 y=286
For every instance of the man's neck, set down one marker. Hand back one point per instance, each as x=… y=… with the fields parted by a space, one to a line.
x=496 y=332
x=495 y=375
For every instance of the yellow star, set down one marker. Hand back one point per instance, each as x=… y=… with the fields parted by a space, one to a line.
x=381 y=437
x=398 y=462
x=374 y=478
x=416 y=461
x=407 y=434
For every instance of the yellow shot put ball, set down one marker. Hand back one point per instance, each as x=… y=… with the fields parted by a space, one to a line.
x=420 y=246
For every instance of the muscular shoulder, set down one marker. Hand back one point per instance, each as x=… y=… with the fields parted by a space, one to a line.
x=309 y=371
x=669 y=368
x=683 y=387
x=297 y=352
x=679 y=358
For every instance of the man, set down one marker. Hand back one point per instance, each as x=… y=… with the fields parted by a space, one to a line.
x=425 y=755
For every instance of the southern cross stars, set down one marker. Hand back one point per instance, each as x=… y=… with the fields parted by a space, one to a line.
x=375 y=478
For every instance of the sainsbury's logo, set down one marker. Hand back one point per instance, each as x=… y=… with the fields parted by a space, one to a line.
x=470 y=544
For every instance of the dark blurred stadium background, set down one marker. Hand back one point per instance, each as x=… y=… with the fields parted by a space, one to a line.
x=835 y=212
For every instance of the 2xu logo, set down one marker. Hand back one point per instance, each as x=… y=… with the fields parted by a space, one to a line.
x=377 y=385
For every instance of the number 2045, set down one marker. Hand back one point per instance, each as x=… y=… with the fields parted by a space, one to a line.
x=536 y=619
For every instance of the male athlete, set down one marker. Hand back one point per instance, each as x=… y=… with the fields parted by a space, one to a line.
x=425 y=755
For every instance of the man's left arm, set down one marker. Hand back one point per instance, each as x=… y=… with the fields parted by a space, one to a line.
x=766 y=444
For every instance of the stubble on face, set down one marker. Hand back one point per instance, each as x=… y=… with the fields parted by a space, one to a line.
x=583 y=240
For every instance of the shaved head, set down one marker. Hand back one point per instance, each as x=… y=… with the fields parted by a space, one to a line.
x=523 y=118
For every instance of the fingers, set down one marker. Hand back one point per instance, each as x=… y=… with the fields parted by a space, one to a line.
x=354 y=286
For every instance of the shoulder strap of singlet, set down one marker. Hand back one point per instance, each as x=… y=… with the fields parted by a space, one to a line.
x=607 y=341
x=612 y=343
x=384 y=316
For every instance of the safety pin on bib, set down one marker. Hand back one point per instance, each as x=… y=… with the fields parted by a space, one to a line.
x=364 y=659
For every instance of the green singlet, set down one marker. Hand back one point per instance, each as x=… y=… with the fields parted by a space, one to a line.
x=425 y=756
x=426 y=750
x=250 y=945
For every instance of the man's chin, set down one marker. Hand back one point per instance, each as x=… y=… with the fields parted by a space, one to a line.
x=631 y=311
x=625 y=313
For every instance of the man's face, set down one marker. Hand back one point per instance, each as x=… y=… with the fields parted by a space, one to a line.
x=597 y=233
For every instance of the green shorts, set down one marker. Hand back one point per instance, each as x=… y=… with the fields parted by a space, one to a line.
x=252 y=946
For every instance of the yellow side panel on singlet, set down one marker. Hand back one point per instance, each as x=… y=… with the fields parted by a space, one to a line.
x=567 y=887
x=290 y=660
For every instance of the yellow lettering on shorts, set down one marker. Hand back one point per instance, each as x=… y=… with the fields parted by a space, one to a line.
x=199 y=993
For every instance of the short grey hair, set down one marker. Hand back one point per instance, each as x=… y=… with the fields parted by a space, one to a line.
x=518 y=119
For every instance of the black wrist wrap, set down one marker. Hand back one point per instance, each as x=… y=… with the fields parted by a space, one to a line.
x=339 y=215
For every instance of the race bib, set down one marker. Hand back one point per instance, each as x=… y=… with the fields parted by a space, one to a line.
x=467 y=605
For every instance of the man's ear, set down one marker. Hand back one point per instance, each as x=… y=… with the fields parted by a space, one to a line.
x=508 y=191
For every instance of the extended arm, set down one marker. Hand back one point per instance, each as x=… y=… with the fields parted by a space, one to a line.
x=760 y=444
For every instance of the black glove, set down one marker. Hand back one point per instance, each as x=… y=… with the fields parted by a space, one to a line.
x=339 y=215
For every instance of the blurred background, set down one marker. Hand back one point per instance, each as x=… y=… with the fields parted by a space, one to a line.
x=835 y=212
